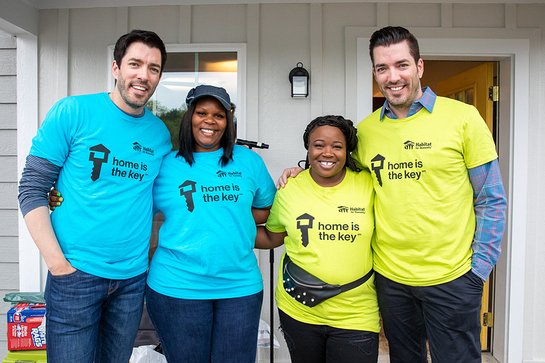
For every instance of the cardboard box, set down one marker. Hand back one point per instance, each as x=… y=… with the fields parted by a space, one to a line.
x=26 y=327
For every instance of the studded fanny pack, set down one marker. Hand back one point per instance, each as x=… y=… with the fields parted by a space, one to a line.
x=310 y=290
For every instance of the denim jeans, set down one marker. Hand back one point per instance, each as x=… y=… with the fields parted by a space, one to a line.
x=448 y=315
x=92 y=319
x=310 y=343
x=204 y=331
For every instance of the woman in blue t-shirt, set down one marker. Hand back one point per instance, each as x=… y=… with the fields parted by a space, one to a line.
x=204 y=286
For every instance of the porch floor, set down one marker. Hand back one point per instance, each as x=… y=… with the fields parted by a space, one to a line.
x=487 y=358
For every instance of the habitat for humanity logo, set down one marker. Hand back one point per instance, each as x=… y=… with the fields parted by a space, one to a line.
x=345 y=209
x=146 y=150
x=98 y=154
x=223 y=174
x=411 y=145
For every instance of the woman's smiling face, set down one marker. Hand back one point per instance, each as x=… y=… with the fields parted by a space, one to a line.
x=208 y=122
x=327 y=155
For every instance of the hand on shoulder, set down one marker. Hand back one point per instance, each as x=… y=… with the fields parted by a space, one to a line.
x=286 y=174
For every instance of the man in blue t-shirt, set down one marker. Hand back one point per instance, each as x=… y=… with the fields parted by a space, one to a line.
x=103 y=151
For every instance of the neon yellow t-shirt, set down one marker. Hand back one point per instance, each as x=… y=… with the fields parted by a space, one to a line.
x=332 y=242
x=424 y=211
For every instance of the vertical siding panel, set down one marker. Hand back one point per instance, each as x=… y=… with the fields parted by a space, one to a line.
x=88 y=50
x=253 y=22
x=478 y=15
x=184 y=24
x=446 y=15
x=161 y=19
x=415 y=15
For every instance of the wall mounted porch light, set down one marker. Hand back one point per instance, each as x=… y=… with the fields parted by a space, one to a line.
x=299 y=79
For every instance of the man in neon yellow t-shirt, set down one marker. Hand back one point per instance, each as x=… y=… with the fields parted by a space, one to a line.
x=439 y=208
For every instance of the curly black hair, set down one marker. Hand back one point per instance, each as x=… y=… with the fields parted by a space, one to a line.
x=347 y=128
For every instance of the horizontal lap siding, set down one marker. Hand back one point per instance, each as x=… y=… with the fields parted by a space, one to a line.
x=9 y=250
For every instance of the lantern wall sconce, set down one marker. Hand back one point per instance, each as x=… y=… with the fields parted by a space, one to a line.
x=299 y=79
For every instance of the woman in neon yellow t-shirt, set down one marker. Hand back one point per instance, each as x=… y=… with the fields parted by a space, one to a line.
x=324 y=216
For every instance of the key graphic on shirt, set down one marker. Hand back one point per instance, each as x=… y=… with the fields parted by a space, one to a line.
x=98 y=155
x=377 y=164
x=187 y=189
x=304 y=223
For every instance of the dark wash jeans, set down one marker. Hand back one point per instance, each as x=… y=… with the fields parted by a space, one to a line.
x=92 y=319
x=448 y=315
x=310 y=343
x=204 y=331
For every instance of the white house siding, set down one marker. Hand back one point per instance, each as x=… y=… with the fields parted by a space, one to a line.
x=73 y=59
x=9 y=254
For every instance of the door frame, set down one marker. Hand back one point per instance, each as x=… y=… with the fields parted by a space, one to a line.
x=511 y=48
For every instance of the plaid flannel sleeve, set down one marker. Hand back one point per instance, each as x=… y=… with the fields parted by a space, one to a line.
x=490 y=206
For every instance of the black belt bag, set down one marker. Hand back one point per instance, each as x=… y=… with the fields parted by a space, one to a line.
x=310 y=290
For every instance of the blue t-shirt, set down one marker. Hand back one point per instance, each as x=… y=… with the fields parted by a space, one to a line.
x=109 y=161
x=206 y=242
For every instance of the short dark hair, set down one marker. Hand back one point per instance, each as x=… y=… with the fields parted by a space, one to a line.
x=347 y=128
x=393 y=35
x=187 y=141
x=147 y=37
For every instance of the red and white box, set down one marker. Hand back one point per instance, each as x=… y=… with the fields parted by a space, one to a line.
x=26 y=327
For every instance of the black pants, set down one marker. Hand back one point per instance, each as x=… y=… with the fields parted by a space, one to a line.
x=448 y=315
x=309 y=343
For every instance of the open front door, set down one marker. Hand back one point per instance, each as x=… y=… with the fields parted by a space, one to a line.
x=474 y=87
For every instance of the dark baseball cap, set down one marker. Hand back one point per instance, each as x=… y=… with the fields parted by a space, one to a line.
x=203 y=90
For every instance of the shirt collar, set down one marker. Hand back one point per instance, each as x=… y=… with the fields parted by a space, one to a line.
x=427 y=101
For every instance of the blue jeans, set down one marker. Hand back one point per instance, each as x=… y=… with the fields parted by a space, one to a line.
x=448 y=315
x=204 y=331
x=310 y=343
x=92 y=319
